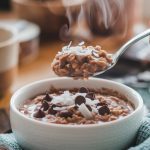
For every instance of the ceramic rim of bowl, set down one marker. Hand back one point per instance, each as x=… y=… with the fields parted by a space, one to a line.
x=12 y=39
x=56 y=4
x=13 y=107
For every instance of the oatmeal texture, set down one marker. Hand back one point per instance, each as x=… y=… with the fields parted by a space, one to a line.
x=77 y=106
x=81 y=61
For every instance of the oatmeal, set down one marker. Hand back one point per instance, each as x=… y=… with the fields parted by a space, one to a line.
x=81 y=61
x=77 y=106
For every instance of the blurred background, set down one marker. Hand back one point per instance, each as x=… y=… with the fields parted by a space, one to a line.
x=44 y=26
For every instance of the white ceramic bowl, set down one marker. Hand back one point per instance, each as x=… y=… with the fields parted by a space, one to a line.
x=36 y=135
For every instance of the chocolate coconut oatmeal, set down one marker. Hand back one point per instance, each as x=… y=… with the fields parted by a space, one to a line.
x=81 y=61
x=77 y=106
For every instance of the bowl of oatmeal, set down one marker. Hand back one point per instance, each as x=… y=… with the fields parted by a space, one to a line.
x=75 y=114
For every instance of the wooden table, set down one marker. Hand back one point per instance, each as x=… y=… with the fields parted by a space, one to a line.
x=40 y=67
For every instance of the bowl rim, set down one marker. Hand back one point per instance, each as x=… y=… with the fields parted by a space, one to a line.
x=13 y=31
x=57 y=4
x=31 y=120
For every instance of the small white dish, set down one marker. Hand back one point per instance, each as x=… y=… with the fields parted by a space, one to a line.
x=9 y=48
x=35 y=135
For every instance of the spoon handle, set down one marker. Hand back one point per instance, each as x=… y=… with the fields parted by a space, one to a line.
x=131 y=42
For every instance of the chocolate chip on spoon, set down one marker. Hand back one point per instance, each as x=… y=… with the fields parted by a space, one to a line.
x=39 y=114
x=104 y=110
x=83 y=90
x=63 y=64
x=51 y=110
x=79 y=100
x=65 y=114
x=45 y=105
x=90 y=95
x=47 y=97
x=84 y=60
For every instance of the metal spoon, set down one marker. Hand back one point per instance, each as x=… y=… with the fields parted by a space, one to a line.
x=123 y=48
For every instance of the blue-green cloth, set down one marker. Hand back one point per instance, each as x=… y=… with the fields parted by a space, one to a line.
x=142 y=141
x=8 y=141
x=143 y=136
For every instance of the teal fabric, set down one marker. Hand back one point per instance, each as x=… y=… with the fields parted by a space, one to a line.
x=7 y=141
x=143 y=136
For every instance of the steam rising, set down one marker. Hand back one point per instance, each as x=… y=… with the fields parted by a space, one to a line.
x=78 y=26
x=89 y=15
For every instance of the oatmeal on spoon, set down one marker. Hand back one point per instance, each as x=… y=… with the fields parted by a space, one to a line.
x=81 y=61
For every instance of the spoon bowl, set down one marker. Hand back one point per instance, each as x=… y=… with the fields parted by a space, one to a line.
x=108 y=68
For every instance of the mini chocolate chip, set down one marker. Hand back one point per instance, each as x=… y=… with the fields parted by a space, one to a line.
x=83 y=90
x=89 y=107
x=104 y=110
x=39 y=114
x=63 y=64
x=51 y=110
x=85 y=60
x=47 y=97
x=90 y=95
x=65 y=114
x=45 y=105
x=79 y=100
x=101 y=104
x=75 y=107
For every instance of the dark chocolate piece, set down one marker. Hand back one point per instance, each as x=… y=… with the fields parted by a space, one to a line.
x=83 y=90
x=47 y=97
x=79 y=100
x=45 y=105
x=104 y=110
x=101 y=104
x=90 y=95
x=51 y=110
x=39 y=114
x=85 y=60
x=65 y=114
x=75 y=107
x=63 y=64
